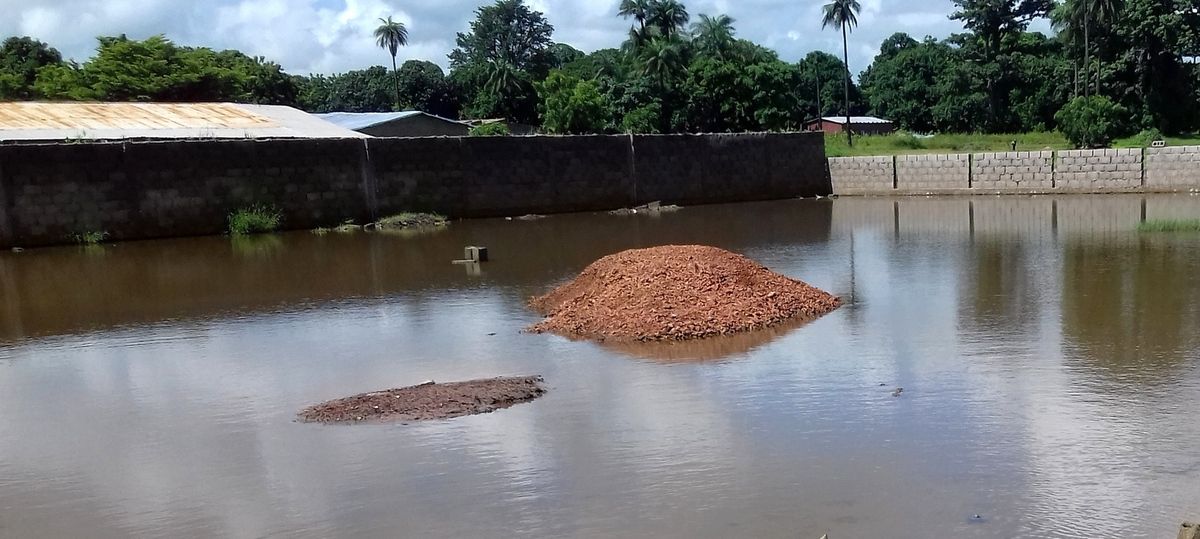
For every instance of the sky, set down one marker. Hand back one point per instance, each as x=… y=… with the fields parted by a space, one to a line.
x=331 y=36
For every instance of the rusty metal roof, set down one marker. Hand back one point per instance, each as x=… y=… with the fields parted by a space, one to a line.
x=108 y=121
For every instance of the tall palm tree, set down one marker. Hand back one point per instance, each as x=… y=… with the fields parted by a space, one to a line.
x=638 y=9
x=844 y=14
x=661 y=59
x=392 y=35
x=1085 y=13
x=670 y=16
x=713 y=35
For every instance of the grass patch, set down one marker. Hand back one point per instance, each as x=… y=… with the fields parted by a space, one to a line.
x=89 y=238
x=255 y=219
x=410 y=220
x=905 y=143
x=1170 y=225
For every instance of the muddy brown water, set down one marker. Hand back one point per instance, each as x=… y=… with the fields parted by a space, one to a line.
x=1050 y=359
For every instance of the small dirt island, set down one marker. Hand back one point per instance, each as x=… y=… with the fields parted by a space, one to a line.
x=428 y=401
x=676 y=293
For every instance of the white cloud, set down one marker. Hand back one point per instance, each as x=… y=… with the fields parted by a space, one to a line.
x=335 y=35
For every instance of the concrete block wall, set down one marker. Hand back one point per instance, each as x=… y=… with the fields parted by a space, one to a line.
x=933 y=173
x=862 y=175
x=1012 y=170
x=1097 y=171
x=1172 y=169
x=704 y=169
x=135 y=190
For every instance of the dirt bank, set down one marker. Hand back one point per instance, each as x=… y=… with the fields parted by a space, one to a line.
x=676 y=293
x=428 y=401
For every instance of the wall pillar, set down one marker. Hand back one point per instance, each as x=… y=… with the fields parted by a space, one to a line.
x=6 y=231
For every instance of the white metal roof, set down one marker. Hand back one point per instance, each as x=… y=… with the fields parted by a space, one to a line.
x=116 y=121
x=856 y=120
x=363 y=120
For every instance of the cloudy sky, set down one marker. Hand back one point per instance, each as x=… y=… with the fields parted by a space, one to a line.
x=327 y=36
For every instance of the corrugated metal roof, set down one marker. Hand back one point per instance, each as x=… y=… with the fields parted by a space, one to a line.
x=856 y=120
x=115 y=121
x=363 y=120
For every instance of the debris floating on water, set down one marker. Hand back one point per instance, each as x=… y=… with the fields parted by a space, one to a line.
x=428 y=401
x=676 y=293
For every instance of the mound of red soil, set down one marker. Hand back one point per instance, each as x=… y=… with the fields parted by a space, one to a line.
x=428 y=401
x=676 y=293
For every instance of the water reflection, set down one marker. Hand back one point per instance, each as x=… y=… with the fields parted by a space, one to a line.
x=1048 y=354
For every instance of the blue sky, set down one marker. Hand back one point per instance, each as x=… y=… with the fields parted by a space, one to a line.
x=328 y=36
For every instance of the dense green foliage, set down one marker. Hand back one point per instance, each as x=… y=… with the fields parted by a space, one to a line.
x=493 y=129
x=255 y=219
x=679 y=72
x=1092 y=121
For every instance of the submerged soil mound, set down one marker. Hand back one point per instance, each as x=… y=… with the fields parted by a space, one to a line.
x=676 y=293
x=428 y=401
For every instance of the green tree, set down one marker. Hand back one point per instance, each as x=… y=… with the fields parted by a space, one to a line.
x=424 y=87
x=844 y=15
x=670 y=17
x=390 y=36
x=571 y=105
x=20 y=60
x=496 y=62
x=1092 y=121
x=819 y=91
x=662 y=60
x=1075 y=19
x=713 y=36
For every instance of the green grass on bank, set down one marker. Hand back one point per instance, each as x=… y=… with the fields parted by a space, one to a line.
x=255 y=219
x=904 y=143
x=1170 y=225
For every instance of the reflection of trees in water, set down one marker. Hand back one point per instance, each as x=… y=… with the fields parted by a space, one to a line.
x=999 y=295
x=1131 y=309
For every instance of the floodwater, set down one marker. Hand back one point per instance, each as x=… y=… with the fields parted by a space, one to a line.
x=1049 y=356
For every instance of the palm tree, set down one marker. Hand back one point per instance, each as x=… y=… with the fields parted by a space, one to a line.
x=638 y=9
x=1085 y=13
x=713 y=35
x=844 y=14
x=670 y=16
x=392 y=35
x=661 y=59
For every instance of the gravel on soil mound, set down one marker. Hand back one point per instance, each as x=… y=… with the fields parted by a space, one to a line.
x=676 y=293
x=428 y=401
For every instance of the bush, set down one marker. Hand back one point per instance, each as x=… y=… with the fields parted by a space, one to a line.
x=89 y=238
x=1092 y=121
x=1147 y=136
x=642 y=120
x=908 y=141
x=494 y=129
x=254 y=220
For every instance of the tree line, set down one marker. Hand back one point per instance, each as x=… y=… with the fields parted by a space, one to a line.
x=1112 y=66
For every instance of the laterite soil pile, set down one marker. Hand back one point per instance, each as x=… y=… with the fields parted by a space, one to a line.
x=676 y=293
x=428 y=401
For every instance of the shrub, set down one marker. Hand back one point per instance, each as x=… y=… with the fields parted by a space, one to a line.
x=89 y=238
x=1146 y=137
x=907 y=141
x=494 y=129
x=1092 y=121
x=642 y=120
x=254 y=220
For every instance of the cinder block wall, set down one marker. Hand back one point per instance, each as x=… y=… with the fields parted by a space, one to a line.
x=49 y=192
x=1012 y=170
x=862 y=175
x=921 y=173
x=1097 y=171
x=1173 y=168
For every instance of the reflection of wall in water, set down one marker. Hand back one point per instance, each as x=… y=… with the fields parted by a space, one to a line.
x=1130 y=307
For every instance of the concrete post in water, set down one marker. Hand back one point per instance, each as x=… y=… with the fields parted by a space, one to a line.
x=1189 y=530
x=476 y=254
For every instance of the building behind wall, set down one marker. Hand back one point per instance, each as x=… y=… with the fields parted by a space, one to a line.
x=77 y=122
x=411 y=123
x=864 y=125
